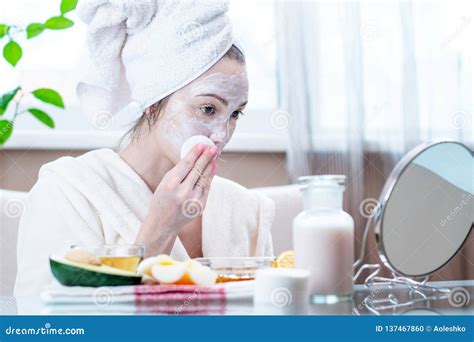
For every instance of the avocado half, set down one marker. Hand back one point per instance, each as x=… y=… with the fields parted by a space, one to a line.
x=70 y=273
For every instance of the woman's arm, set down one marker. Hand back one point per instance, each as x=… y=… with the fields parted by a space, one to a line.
x=156 y=237
x=191 y=237
x=178 y=200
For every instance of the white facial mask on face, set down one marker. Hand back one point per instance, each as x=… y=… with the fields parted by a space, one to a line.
x=232 y=88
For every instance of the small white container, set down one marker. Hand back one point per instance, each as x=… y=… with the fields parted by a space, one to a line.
x=323 y=239
x=281 y=291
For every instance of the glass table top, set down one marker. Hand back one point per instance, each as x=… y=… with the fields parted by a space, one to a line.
x=373 y=300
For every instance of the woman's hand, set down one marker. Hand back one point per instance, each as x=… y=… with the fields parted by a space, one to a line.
x=179 y=198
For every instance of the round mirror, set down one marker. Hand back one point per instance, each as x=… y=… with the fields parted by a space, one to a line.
x=426 y=209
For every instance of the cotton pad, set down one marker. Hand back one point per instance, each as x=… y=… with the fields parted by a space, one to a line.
x=194 y=140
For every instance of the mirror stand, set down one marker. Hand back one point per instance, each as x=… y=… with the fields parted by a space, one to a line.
x=435 y=176
x=419 y=290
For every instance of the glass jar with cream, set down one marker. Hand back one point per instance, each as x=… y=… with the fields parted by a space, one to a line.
x=323 y=238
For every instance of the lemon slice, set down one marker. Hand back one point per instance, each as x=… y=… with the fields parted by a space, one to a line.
x=285 y=260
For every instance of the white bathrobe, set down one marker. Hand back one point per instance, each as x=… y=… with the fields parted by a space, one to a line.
x=98 y=198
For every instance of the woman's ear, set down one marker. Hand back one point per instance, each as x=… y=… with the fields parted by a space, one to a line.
x=151 y=117
x=152 y=112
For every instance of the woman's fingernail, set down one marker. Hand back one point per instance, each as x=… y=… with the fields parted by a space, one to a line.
x=213 y=150
x=201 y=147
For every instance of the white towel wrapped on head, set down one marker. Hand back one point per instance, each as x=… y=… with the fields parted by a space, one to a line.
x=140 y=51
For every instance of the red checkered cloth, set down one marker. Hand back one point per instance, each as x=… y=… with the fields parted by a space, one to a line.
x=146 y=299
x=180 y=299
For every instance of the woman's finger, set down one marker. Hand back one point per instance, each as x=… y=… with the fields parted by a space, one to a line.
x=205 y=180
x=181 y=170
x=205 y=192
x=200 y=165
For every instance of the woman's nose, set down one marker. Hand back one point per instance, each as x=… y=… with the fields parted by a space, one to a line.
x=221 y=134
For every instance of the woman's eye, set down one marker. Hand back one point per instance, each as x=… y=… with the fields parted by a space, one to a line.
x=237 y=114
x=207 y=110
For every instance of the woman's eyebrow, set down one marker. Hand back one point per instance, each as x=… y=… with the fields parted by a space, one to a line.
x=243 y=104
x=223 y=101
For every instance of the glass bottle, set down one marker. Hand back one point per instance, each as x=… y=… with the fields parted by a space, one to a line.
x=323 y=238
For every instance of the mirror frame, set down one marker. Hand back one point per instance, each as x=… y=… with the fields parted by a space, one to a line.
x=387 y=190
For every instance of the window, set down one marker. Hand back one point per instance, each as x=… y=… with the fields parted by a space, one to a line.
x=52 y=60
x=438 y=87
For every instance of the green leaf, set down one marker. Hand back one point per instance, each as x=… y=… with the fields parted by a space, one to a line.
x=49 y=96
x=68 y=6
x=12 y=52
x=6 y=98
x=42 y=116
x=34 y=29
x=58 y=23
x=6 y=129
x=3 y=30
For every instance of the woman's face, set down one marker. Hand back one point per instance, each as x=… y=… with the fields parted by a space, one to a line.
x=209 y=106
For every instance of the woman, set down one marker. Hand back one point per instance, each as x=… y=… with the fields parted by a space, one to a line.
x=146 y=55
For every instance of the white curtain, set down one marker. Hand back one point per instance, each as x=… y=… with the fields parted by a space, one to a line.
x=364 y=82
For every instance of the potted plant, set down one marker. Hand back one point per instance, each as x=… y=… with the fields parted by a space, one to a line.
x=10 y=102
